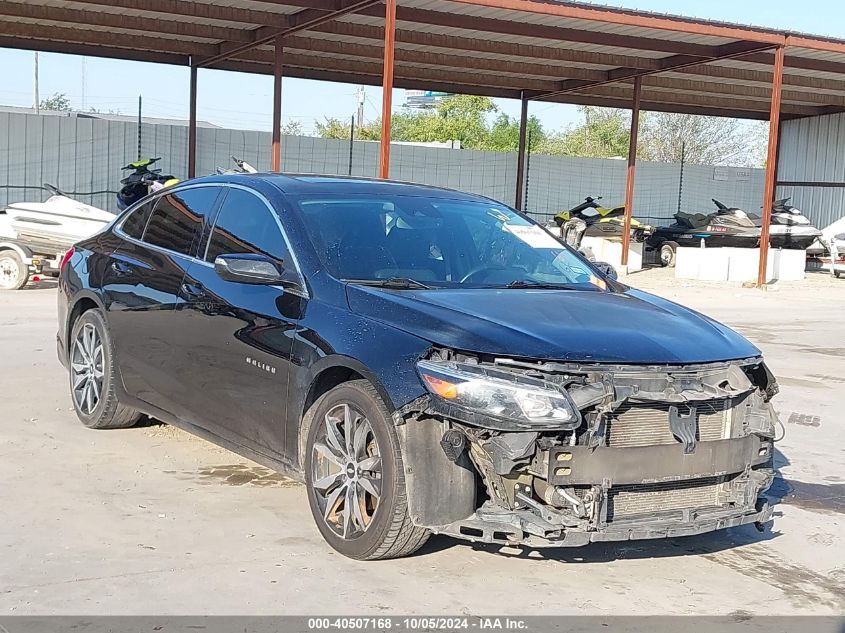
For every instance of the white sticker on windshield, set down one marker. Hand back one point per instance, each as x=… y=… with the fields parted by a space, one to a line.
x=533 y=235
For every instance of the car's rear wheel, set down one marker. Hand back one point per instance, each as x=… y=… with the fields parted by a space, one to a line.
x=355 y=476
x=14 y=273
x=93 y=376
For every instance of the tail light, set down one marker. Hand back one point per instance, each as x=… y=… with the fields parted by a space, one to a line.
x=66 y=258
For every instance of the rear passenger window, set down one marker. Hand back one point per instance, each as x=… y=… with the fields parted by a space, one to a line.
x=135 y=223
x=246 y=225
x=177 y=221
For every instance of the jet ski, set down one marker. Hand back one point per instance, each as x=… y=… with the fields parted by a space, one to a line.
x=724 y=227
x=141 y=181
x=601 y=221
x=789 y=227
x=54 y=225
x=241 y=167
x=828 y=233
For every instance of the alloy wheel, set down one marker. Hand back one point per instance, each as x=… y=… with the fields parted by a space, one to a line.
x=87 y=369
x=346 y=471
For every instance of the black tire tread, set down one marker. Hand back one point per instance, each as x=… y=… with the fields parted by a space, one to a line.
x=402 y=537
x=114 y=414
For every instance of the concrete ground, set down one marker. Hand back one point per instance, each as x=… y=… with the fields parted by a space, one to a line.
x=154 y=521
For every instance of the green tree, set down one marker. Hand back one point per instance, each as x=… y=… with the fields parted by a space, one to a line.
x=292 y=128
x=504 y=134
x=705 y=140
x=604 y=133
x=463 y=118
x=58 y=101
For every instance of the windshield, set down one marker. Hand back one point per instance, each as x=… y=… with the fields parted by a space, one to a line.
x=437 y=242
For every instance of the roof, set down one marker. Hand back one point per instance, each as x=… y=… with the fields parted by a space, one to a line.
x=99 y=115
x=315 y=184
x=546 y=50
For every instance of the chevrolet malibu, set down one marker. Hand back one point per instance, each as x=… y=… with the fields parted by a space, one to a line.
x=427 y=361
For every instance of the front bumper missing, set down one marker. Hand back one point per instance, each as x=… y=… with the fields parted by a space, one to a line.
x=485 y=530
x=573 y=465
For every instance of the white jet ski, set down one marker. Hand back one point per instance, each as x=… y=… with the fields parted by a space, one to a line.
x=53 y=225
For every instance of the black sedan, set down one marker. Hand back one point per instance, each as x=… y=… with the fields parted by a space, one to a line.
x=427 y=361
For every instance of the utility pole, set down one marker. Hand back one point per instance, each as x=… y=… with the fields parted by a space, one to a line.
x=139 y=127
x=360 y=108
x=83 y=83
x=37 y=96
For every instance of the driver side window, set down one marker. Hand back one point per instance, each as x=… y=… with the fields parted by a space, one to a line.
x=245 y=224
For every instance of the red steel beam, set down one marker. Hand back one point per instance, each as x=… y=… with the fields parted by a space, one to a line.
x=192 y=124
x=520 y=153
x=276 y=147
x=387 y=87
x=300 y=21
x=632 y=166
x=771 y=165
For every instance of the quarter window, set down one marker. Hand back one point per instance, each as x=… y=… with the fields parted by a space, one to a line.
x=177 y=221
x=136 y=222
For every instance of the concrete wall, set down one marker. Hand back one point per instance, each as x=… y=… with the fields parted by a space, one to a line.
x=812 y=152
x=85 y=155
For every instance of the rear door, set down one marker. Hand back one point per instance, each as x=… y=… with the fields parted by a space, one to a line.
x=143 y=287
x=242 y=334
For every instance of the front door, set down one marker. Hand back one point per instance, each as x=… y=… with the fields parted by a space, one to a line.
x=241 y=334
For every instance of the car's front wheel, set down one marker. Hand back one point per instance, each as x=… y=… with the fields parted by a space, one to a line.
x=93 y=375
x=355 y=476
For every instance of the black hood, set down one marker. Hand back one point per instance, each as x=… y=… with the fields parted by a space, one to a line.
x=629 y=327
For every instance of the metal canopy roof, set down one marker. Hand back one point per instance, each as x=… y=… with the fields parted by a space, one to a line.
x=549 y=51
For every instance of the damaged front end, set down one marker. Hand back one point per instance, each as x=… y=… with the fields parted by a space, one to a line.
x=563 y=454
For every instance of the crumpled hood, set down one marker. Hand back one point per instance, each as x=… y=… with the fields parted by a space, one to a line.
x=573 y=325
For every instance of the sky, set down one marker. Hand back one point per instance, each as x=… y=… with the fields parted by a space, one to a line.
x=241 y=100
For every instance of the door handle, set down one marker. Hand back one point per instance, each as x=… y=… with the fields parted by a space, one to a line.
x=121 y=268
x=193 y=291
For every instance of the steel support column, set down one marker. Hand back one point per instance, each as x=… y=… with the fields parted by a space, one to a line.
x=771 y=164
x=632 y=166
x=276 y=149
x=387 y=87
x=192 y=124
x=520 y=153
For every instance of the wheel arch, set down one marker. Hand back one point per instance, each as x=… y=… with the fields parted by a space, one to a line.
x=326 y=374
x=84 y=301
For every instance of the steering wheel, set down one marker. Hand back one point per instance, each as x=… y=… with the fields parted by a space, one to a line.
x=479 y=269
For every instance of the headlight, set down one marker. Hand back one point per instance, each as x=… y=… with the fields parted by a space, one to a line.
x=517 y=402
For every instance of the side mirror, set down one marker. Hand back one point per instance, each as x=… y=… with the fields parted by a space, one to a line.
x=247 y=268
x=607 y=270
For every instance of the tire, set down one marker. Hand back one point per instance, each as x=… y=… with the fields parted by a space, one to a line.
x=381 y=528
x=837 y=274
x=667 y=254
x=14 y=273
x=97 y=406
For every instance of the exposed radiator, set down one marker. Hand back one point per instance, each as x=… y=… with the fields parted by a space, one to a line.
x=631 y=500
x=648 y=424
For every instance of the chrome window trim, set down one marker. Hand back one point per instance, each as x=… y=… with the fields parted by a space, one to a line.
x=304 y=292
x=118 y=228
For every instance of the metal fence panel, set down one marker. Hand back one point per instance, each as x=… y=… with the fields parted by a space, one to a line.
x=80 y=154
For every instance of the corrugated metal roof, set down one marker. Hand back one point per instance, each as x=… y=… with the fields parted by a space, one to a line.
x=569 y=51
